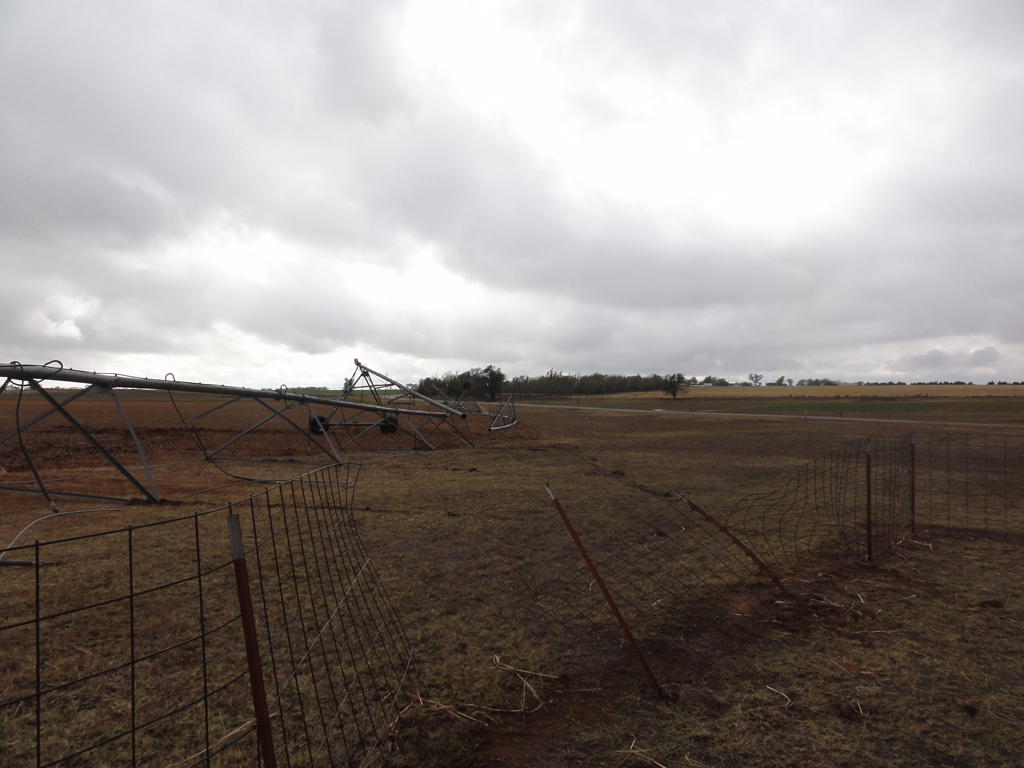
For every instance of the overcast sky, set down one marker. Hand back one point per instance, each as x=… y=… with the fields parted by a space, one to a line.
x=255 y=193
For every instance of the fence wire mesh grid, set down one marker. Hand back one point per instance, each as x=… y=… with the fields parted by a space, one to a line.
x=969 y=484
x=681 y=585
x=853 y=502
x=689 y=585
x=136 y=647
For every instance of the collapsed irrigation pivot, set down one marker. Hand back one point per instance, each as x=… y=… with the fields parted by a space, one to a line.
x=374 y=413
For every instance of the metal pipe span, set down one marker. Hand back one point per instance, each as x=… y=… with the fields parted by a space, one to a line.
x=115 y=380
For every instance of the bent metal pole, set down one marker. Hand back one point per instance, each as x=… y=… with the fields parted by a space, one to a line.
x=414 y=394
x=743 y=547
x=607 y=596
x=113 y=380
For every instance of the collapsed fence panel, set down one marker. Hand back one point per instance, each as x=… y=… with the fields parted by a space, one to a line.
x=687 y=584
x=126 y=647
x=683 y=587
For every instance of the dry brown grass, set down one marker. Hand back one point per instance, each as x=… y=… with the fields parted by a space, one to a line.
x=909 y=662
x=468 y=535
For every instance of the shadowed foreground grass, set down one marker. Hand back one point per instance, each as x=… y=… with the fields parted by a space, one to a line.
x=910 y=661
x=900 y=664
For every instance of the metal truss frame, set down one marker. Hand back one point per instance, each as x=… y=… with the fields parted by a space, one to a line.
x=408 y=413
x=502 y=417
x=465 y=402
x=382 y=391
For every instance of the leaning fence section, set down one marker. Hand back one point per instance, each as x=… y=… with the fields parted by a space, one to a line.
x=126 y=647
x=688 y=584
x=334 y=650
x=683 y=587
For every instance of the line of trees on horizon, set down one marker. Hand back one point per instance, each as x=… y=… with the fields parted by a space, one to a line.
x=491 y=383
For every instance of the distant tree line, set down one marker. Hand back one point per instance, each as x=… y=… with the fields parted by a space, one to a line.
x=557 y=383
x=491 y=383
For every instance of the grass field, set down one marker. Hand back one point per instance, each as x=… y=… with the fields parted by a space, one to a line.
x=910 y=661
x=969 y=404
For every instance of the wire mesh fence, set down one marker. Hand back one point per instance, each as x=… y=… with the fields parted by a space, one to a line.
x=689 y=585
x=683 y=587
x=853 y=502
x=970 y=484
x=126 y=647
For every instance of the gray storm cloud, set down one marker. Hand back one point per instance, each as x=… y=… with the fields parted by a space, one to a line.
x=138 y=139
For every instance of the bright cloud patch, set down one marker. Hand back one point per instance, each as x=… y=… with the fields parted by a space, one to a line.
x=245 y=192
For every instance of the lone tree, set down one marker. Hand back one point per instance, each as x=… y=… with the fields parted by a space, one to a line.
x=494 y=382
x=674 y=383
x=756 y=379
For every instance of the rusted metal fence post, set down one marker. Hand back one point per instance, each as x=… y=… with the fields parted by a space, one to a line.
x=868 y=479
x=607 y=596
x=252 y=647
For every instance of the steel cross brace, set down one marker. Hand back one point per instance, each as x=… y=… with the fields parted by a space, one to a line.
x=92 y=441
x=40 y=417
x=414 y=433
x=273 y=413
